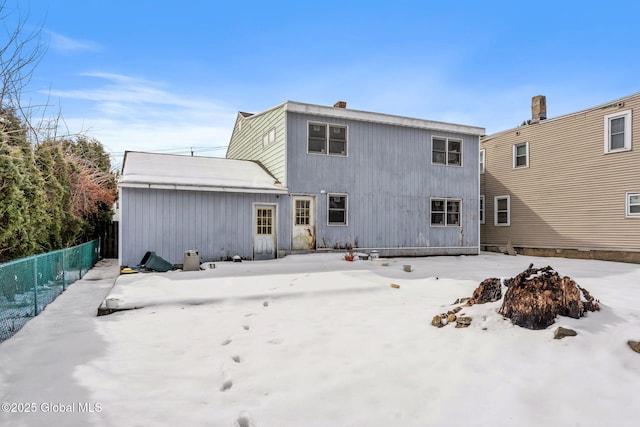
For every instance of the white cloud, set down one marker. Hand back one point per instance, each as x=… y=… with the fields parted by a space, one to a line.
x=66 y=45
x=128 y=113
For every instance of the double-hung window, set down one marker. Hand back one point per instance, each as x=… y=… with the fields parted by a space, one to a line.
x=617 y=132
x=446 y=151
x=482 y=160
x=269 y=137
x=502 y=210
x=327 y=139
x=337 y=209
x=445 y=212
x=481 y=214
x=633 y=205
x=521 y=155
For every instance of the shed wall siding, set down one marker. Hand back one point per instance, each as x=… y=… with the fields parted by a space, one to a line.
x=572 y=195
x=390 y=180
x=168 y=222
x=246 y=141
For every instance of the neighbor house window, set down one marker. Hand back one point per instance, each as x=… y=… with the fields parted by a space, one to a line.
x=521 y=155
x=269 y=137
x=617 y=131
x=302 y=212
x=327 y=139
x=337 y=207
x=445 y=212
x=481 y=215
x=446 y=151
x=633 y=205
x=482 y=160
x=502 y=210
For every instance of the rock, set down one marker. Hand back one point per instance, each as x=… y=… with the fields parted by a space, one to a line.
x=537 y=295
x=463 y=322
x=561 y=332
x=395 y=286
x=635 y=345
x=437 y=321
x=489 y=290
x=461 y=300
x=451 y=318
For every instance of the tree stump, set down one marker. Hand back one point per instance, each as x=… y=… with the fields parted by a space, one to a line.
x=537 y=295
x=489 y=290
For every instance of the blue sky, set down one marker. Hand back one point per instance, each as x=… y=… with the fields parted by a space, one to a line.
x=160 y=75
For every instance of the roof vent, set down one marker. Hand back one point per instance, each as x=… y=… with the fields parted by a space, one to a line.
x=340 y=104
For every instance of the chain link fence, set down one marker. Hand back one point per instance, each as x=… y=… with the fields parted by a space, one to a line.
x=28 y=284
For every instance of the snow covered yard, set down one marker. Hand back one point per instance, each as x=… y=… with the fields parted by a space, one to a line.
x=312 y=340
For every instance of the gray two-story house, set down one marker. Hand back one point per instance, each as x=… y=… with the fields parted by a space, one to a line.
x=327 y=178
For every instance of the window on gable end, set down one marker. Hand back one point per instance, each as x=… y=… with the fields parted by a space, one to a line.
x=617 y=132
x=521 y=155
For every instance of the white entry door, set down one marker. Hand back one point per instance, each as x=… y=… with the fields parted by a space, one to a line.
x=264 y=235
x=304 y=224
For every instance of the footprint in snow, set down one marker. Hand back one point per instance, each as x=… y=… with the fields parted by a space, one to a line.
x=244 y=420
x=226 y=342
x=236 y=358
x=227 y=382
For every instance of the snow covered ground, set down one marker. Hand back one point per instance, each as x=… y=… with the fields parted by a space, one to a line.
x=312 y=340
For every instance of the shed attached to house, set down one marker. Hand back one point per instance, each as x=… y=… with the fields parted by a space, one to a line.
x=221 y=207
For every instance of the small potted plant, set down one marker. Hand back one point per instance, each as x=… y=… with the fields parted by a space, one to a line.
x=350 y=256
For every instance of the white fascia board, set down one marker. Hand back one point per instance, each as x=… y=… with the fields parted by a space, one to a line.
x=365 y=116
x=202 y=188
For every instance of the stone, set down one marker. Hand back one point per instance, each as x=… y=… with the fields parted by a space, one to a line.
x=461 y=300
x=635 y=345
x=490 y=290
x=437 y=321
x=451 y=318
x=395 y=286
x=463 y=322
x=561 y=332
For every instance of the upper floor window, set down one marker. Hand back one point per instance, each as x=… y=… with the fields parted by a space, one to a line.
x=337 y=208
x=521 y=155
x=482 y=160
x=633 y=205
x=617 y=131
x=446 y=151
x=269 y=137
x=327 y=139
x=502 y=210
x=445 y=212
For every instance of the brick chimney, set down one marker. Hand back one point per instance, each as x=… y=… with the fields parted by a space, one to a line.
x=538 y=108
x=340 y=104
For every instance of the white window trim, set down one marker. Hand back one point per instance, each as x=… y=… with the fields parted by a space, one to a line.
x=627 y=131
x=483 y=160
x=446 y=199
x=346 y=209
x=328 y=137
x=446 y=152
x=482 y=209
x=515 y=150
x=627 y=210
x=495 y=211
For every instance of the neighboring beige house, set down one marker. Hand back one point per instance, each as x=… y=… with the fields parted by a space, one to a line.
x=567 y=186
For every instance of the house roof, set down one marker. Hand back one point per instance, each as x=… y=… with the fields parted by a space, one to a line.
x=176 y=172
x=367 y=116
